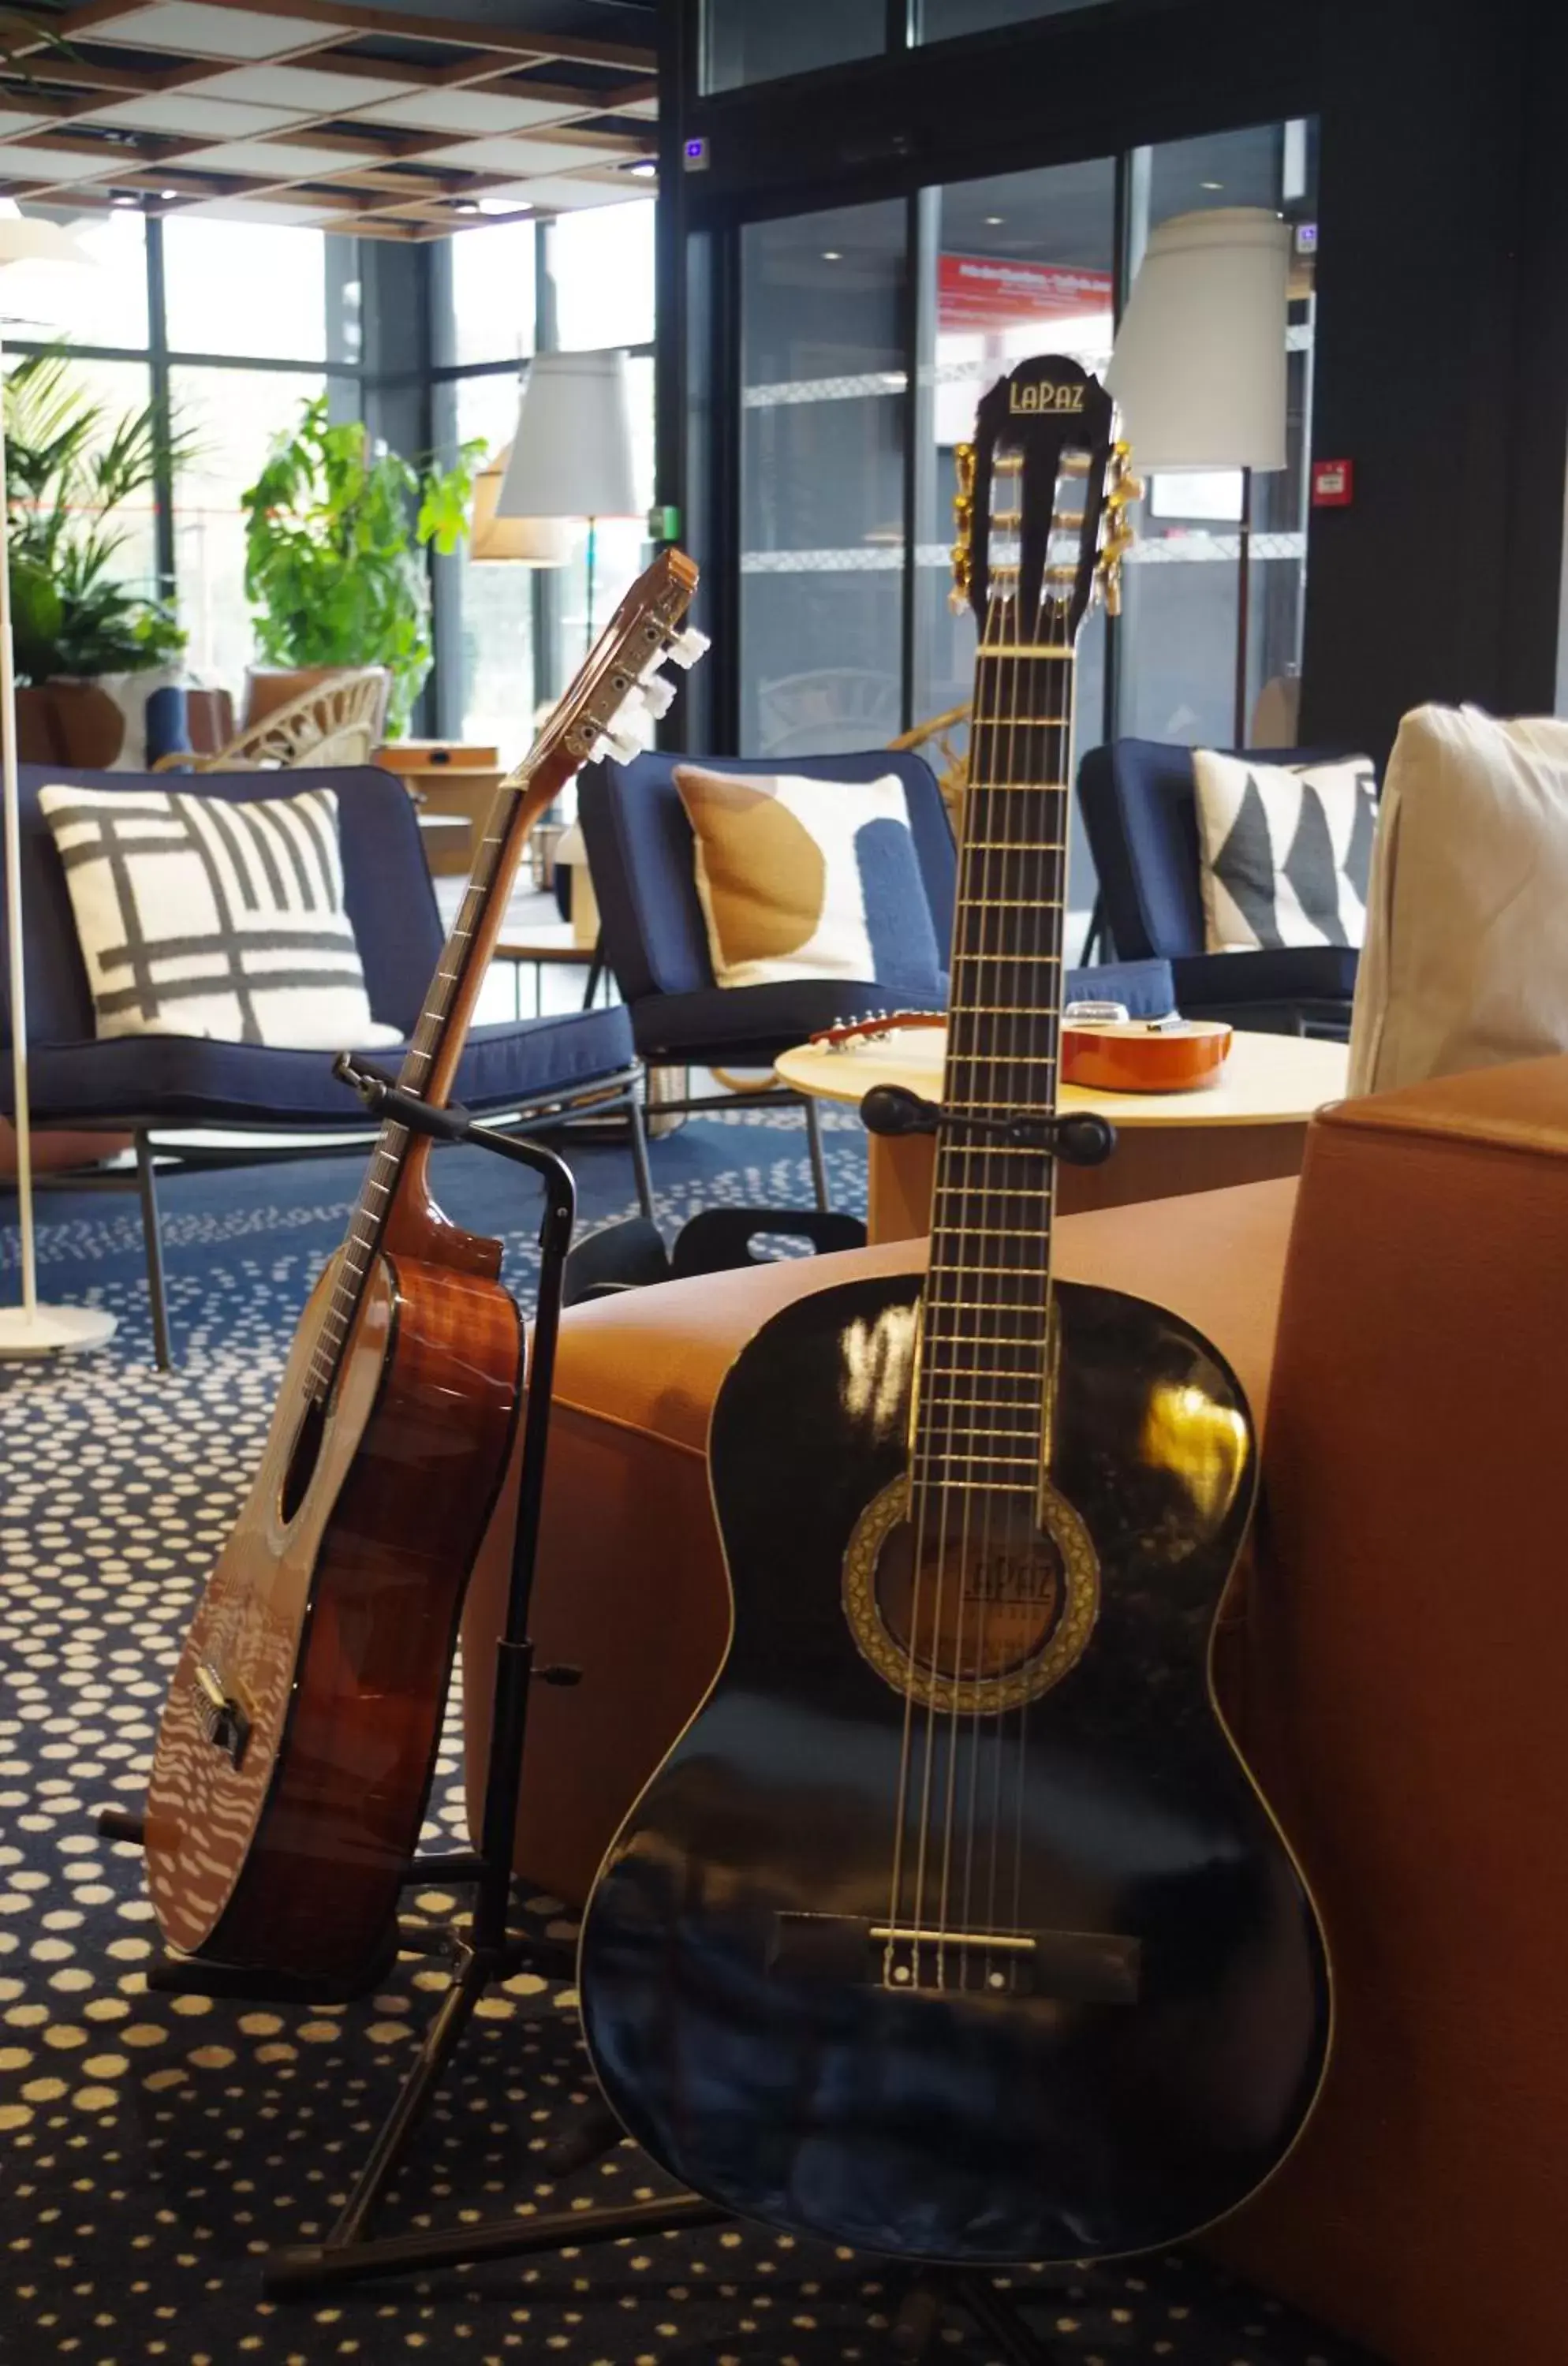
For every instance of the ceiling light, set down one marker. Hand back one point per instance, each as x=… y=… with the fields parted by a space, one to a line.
x=1211 y=185
x=168 y=195
x=642 y=170
x=504 y=206
x=832 y=255
x=465 y=206
x=122 y=197
x=993 y=222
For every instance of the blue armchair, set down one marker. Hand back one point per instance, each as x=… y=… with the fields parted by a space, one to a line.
x=1139 y=806
x=655 y=942
x=537 y=1070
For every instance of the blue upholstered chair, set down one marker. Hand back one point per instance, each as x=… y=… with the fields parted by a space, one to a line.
x=538 y=1070
x=654 y=938
x=1139 y=806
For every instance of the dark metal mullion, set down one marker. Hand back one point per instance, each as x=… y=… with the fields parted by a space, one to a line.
x=921 y=244
x=162 y=426
x=1110 y=684
x=728 y=362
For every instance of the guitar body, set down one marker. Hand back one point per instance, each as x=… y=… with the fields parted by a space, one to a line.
x=1140 y=2054
x=330 y=1624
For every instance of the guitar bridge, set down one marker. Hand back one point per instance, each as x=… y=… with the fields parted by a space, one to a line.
x=219 y=1715
x=1072 y=1967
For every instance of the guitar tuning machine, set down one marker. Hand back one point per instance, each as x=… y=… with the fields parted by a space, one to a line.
x=687 y=648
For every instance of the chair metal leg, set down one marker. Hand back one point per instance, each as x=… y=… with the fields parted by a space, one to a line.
x=814 y=1149
x=640 y=1152
x=147 y=1188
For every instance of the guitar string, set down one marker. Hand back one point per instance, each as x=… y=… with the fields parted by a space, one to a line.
x=920 y=1506
x=1055 y=758
x=974 y=1152
x=927 y=1452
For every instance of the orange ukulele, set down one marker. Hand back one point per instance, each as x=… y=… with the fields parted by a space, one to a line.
x=296 y=1749
x=1111 y=1053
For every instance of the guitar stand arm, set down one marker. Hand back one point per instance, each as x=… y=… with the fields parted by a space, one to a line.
x=1079 y=1138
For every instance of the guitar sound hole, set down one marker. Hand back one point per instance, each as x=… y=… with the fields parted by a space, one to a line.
x=303 y=1460
x=986 y=1594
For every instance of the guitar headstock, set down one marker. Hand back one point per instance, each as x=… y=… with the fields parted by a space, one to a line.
x=619 y=694
x=1041 y=507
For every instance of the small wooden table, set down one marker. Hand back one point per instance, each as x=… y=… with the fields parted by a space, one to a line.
x=1249 y=1127
x=454 y=787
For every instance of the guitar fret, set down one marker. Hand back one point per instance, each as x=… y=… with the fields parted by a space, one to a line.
x=1000 y=1461
x=985 y=1486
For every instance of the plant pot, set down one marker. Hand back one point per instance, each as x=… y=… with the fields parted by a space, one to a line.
x=73 y=723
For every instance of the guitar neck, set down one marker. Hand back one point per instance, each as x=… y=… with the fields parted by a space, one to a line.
x=980 y=1419
x=435 y=1050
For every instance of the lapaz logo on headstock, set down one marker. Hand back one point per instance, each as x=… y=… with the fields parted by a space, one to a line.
x=1041 y=504
x=1044 y=396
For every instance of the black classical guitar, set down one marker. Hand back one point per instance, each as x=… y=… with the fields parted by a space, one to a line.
x=954 y=1926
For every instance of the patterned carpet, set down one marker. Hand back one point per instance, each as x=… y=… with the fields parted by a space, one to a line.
x=152 y=2146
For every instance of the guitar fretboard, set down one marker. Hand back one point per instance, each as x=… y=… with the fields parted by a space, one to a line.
x=980 y=1417
x=491 y=878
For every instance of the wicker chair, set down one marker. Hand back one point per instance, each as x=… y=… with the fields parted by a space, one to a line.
x=953 y=774
x=335 y=723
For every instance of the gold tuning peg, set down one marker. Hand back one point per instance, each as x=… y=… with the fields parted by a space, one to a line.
x=964 y=520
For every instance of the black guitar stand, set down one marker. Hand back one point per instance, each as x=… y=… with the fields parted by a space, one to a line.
x=485 y=1949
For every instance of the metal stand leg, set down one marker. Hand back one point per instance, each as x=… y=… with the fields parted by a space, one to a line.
x=639 y=1154
x=814 y=1151
x=147 y=1186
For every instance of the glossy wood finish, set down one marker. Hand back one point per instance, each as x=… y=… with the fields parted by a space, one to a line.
x=336 y=1630
x=296 y=1751
x=1136 y=1056
x=949 y=2123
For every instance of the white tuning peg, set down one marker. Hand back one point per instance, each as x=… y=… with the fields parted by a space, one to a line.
x=688 y=647
x=658 y=695
x=625 y=746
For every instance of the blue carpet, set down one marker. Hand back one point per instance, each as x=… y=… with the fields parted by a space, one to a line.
x=152 y=2146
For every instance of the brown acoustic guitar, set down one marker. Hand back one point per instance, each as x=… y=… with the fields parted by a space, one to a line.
x=1099 y=1055
x=295 y=1749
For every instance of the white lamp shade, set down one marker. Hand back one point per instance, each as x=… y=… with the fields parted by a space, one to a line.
x=1198 y=368
x=24 y=239
x=572 y=457
x=526 y=542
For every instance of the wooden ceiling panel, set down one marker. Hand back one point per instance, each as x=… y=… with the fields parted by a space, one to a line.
x=223 y=104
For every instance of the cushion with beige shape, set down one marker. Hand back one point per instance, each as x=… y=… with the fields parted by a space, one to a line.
x=1465 y=964
x=803 y=878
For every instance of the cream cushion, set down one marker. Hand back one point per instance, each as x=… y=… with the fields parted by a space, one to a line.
x=1465 y=961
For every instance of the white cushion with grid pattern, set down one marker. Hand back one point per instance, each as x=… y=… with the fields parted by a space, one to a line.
x=199 y=916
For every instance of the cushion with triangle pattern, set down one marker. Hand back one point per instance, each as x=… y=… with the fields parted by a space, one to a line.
x=1286 y=850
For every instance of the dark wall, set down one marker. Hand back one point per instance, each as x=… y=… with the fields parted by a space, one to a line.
x=1421 y=373
x=1442 y=356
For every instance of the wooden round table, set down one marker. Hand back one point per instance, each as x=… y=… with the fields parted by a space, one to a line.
x=1249 y=1126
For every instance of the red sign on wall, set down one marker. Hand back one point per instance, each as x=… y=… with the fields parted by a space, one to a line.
x=1333 y=484
x=986 y=291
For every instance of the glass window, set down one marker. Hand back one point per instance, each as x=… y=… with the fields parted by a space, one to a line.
x=492 y=293
x=945 y=20
x=495 y=598
x=105 y=306
x=743 y=42
x=1180 y=646
x=233 y=414
x=602 y=265
x=823 y=423
x=121 y=389
x=245 y=287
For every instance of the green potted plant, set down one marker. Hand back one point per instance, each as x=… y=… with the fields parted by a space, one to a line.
x=78 y=625
x=334 y=540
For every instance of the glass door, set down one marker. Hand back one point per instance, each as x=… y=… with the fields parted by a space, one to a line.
x=823 y=431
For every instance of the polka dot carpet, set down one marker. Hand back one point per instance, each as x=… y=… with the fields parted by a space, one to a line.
x=153 y=2145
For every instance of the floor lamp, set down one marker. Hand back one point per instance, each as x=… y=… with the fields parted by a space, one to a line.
x=29 y=1329
x=1198 y=367
x=572 y=457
